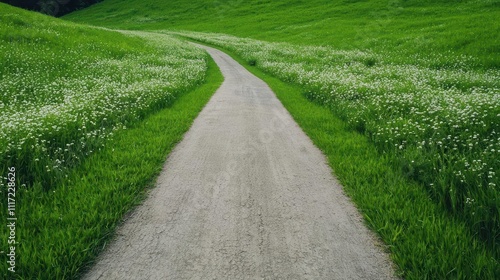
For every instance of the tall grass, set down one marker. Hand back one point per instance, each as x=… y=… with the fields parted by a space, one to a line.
x=61 y=231
x=418 y=78
x=67 y=88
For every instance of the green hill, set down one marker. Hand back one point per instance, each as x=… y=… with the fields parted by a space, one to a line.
x=402 y=96
x=411 y=26
x=83 y=81
x=420 y=79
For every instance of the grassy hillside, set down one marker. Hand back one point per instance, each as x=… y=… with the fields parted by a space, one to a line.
x=469 y=28
x=418 y=78
x=66 y=88
x=87 y=117
x=402 y=96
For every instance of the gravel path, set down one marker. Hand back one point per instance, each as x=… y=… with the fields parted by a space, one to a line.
x=245 y=195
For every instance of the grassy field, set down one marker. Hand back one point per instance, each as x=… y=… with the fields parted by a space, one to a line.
x=402 y=96
x=401 y=28
x=420 y=81
x=87 y=119
x=67 y=88
x=63 y=230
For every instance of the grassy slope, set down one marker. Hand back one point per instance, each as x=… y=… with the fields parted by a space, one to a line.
x=53 y=78
x=62 y=229
x=398 y=27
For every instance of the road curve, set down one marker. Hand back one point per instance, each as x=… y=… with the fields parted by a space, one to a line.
x=245 y=195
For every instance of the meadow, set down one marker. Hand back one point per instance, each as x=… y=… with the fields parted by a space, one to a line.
x=66 y=89
x=401 y=96
x=87 y=118
x=399 y=28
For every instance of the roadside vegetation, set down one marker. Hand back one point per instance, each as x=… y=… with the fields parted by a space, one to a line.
x=87 y=117
x=425 y=242
x=67 y=88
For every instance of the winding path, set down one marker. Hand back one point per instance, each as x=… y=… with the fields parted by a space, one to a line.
x=245 y=195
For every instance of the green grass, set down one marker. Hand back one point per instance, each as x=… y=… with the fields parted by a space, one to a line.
x=399 y=28
x=424 y=241
x=66 y=88
x=61 y=231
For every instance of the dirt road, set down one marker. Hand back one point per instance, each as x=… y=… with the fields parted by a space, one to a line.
x=245 y=195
